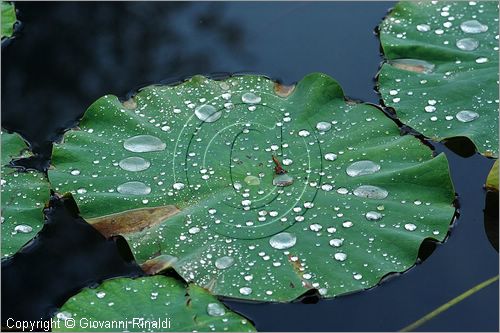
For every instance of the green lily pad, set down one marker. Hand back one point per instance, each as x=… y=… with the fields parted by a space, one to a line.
x=492 y=180
x=152 y=304
x=8 y=19
x=255 y=190
x=23 y=197
x=441 y=69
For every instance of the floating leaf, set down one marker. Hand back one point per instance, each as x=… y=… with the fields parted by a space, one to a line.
x=492 y=181
x=23 y=198
x=8 y=19
x=152 y=304
x=441 y=69
x=357 y=202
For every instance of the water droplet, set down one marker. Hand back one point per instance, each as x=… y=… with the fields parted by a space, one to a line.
x=207 y=113
x=315 y=227
x=347 y=224
x=283 y=240
x=467 y=44
x=64 y=315
x=215 y=309
x=473 y=27
x=371 y=192
x=413 y=65
x=466 y=116
x=326 y=187
x=360 y=168
x=245 y=290
x=304 y=133
x=144 y=144
x=373 y=216
x=287 y=161
x=423 y=27
x=342 y=190
x=430 y=108
x=336 y=242
x=23 y=228
x=75 y=172
x=250 y=98
x=134 y=164
x=224 y=262
x=81 y=191
x=340 y=256
x=330 y=156
x=252 y=180
x=323 y=126
x=282 y=180
x=100 y=294
x=410 y=226
x=194 y=230
x=178 y=186
x=134 y=188
x=357 y=276
x=481 y=60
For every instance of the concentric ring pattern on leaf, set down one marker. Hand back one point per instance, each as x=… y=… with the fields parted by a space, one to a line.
x=441 y=72
x=151 y=304
x=23 y=197
x=345 y=200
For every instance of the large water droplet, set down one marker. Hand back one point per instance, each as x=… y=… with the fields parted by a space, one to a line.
x=178 y=186
x=75 y=172
x=371 y=192
x=410 y=227
x=466 y=116
x=207 y=113
x=100 y=294
x=134 y=164
x=323 y=126
x=360 y=168
x=250 y=98
x=304 y=133
x=144 y=144
x=330 y=156
x=134 y=188
x=340 y=256
x=467 y=44
x=23 y=228
x=224 y=262
x=481 y=60
x=413 y=65
x=282 y=180
x=473 y=27
x=283 y=240
x=215 y=309
x=373 y=216
x=336 y=242
x=423 y=27
x=245 y=290
x=252 y=180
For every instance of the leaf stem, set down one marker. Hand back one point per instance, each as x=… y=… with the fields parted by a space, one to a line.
x=449 y=304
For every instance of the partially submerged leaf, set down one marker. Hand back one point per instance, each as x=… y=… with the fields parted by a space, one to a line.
x=8 y=19
x=441 y=70
x=153 y=304
x=357 y=201
x=23 y=197
x=492 y=180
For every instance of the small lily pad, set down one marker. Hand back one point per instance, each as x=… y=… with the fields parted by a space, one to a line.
x=213 y=203
x=152 y=304
x=23 y=197
x=441 y=69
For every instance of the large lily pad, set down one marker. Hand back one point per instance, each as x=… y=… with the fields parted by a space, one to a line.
x=23 y=197
x=186 y=174
x=8 y=19
x=152 y=304
x=441 y=69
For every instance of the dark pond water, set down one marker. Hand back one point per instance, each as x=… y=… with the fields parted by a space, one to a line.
x=68 y=54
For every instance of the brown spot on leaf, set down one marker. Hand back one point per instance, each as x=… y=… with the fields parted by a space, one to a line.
x=130 y=103
x=158 y=264
x=283 y=90
x=133 y=220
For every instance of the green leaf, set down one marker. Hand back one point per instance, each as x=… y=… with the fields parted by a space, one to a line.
x=204 y=201
x=23 y=197
x=441 y=70
x=8 y=19
x=492 y=180
x=162 y=303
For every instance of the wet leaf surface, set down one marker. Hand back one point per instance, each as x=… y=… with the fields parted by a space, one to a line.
x=8 y=19
x=441 y=70
x=23 y=194
x=163 y=304
x=357 y=201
